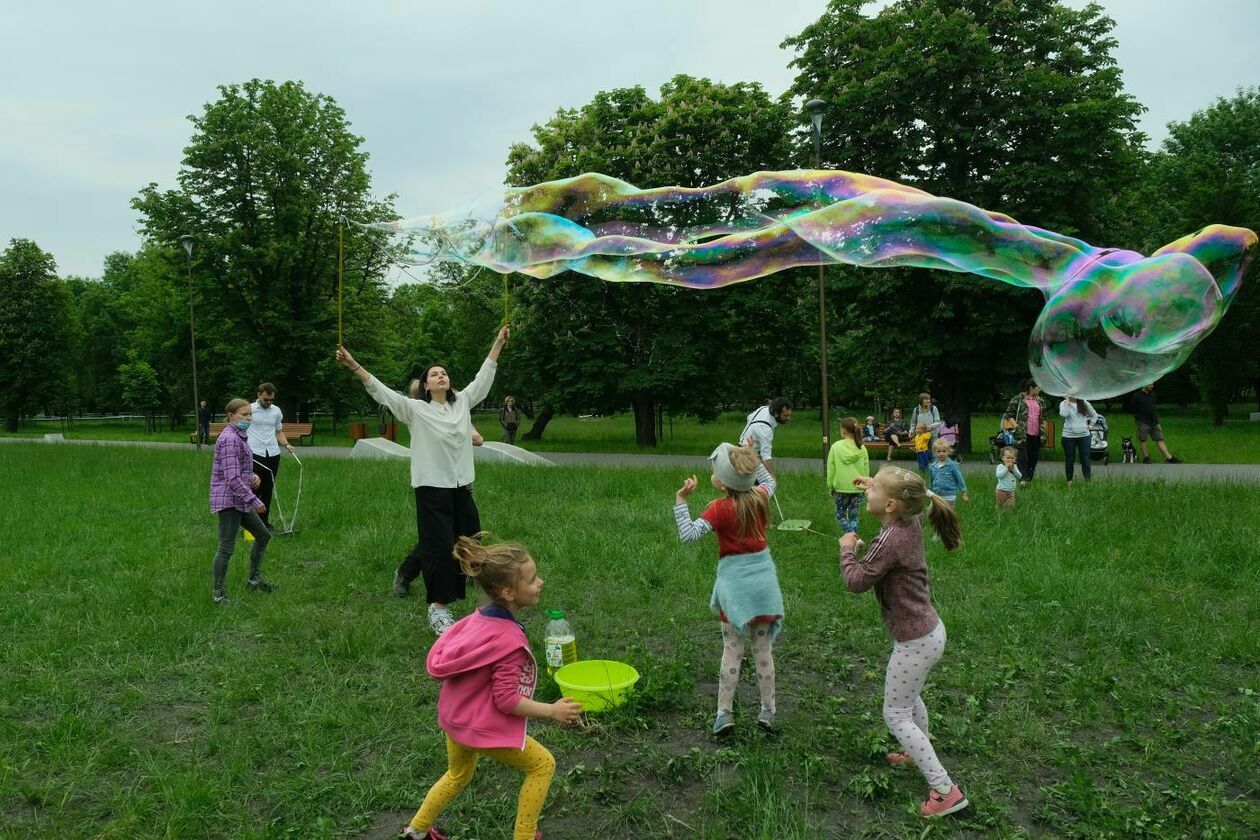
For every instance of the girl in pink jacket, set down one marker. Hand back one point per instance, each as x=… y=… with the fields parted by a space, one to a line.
x=488 y=675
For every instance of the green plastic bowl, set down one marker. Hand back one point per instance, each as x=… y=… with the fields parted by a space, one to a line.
x=597 y=684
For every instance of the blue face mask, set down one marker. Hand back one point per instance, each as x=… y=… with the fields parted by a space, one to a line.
x=243 y=425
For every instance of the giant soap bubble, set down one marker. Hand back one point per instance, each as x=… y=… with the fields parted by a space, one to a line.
x=1113 y=319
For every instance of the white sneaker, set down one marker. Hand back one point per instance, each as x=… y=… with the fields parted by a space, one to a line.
x=440 y=619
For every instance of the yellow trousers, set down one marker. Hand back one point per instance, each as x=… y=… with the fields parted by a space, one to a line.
x=535 y=761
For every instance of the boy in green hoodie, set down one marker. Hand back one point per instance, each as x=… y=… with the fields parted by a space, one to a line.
x=846 y=461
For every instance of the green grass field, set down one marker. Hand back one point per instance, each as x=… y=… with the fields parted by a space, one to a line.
x=1191 y=435
x=1100 y=681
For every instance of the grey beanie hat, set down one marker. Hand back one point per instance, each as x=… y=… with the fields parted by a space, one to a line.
x=726 y=472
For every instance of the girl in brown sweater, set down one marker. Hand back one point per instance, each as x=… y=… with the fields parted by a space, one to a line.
x=896 y=568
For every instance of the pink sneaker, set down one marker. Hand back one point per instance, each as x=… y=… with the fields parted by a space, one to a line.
x=410 y=833
x=900 y=759
x=938 y=804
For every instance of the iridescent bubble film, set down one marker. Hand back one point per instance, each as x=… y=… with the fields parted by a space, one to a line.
x=1114 y=320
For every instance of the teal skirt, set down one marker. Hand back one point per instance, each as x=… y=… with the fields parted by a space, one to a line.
x=746 y=589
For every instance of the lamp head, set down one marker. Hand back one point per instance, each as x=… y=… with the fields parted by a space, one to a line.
x=816 y=108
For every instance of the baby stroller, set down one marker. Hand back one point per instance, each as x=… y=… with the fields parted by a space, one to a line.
x=1098 y=447
x=1004 y=438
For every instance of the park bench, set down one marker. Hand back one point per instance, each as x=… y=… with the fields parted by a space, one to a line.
x=881 y=444
x=1047 y=441
x=300 y=433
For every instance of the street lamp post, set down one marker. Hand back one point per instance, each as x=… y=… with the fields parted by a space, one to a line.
x=816 y=108
x=187 y=241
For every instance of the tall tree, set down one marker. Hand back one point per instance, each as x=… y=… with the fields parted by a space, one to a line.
x=268 y=172
x=38 y=332
x=601 y=346
x=1012 y=105
x=1208 y=171
x=141 y=390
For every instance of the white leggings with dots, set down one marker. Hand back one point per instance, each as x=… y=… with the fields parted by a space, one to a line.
x=733 y=657
x=904 y=712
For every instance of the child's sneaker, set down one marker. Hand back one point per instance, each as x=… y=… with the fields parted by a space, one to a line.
x=899 y=759
x=410 y=833
x=765 y=719
x=220 y=597
x=723 y=723
x=259 y=585
x=939 y=804
x=440 y=619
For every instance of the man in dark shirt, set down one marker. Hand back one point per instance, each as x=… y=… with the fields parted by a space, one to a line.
x=1142 y=406
x=204 y=416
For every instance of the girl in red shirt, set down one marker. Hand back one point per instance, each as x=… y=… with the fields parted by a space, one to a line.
x=746 y=595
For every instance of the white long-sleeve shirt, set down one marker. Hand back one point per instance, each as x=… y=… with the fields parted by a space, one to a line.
x=441 y=434
x=690 y=530
x=1075 y=423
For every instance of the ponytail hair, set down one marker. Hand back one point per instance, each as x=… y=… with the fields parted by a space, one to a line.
x=908 y=488
x=850 y=427
x=495 y=567
x=752 y=507
x=234 y=406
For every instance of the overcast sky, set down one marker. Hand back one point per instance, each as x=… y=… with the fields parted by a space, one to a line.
x=95 y=95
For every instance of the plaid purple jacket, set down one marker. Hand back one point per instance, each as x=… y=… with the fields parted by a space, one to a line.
x=233 y=473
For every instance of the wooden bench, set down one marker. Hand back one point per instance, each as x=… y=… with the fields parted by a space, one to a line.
x=880 y=443
x=300 y=433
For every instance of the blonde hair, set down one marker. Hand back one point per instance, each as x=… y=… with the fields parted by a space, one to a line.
x=1012 y=450
x=413 y=390
x=495 y=567
x=941 y=443
x=850 y=426
x=234 y=406
x=914 y=498
x=752 y=508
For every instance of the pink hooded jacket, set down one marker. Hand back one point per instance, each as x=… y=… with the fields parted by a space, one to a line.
x=486 y=667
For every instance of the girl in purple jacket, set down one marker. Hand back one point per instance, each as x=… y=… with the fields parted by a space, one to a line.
x=488 y=675
x=232 y=483
x=895 y=567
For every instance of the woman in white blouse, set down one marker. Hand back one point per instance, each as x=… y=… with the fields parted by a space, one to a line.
x=1076 y=414
x=440 y=422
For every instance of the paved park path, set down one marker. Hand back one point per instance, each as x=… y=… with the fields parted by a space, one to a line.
x=976 y=465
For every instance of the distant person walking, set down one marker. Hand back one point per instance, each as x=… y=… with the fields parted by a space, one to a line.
x=1141 y=404
x=510 y=420
x=204 y=416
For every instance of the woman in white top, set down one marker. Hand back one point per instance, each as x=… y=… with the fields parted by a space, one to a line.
x=1076 y=414
x=440 y=422
x=926 y=414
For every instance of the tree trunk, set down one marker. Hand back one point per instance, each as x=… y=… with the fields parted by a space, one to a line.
x=540 y=424
x=11 y=422
x=644 y=421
